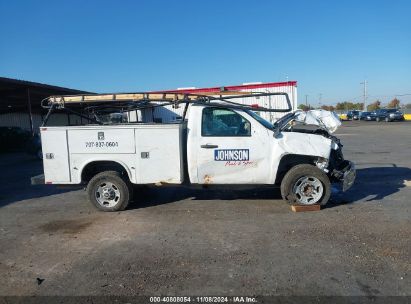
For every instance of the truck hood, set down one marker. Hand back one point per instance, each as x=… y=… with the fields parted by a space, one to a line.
x=326 y=120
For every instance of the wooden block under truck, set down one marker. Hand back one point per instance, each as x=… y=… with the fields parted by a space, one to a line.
x=218 y=142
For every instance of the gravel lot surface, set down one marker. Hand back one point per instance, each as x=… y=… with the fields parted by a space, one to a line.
x=175 y=241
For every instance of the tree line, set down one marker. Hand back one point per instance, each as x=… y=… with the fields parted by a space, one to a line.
x=347 y=105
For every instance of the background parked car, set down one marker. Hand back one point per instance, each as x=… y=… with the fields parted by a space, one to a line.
x=353 y=115
x=33 y=146
x=14 y=139
x=367 y=116
x=388 y=115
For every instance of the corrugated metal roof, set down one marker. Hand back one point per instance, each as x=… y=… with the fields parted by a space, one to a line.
x=14 y=94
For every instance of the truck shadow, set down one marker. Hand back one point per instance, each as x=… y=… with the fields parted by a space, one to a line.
x=149 y=196
x=16 y=170
x=372 y=184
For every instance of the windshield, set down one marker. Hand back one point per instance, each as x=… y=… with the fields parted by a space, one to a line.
x=261 y=120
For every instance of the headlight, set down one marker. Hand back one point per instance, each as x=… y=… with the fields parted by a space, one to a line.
x=392 y=115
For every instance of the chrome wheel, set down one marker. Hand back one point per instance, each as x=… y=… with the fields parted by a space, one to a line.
x=107 y=194
x=308 y=190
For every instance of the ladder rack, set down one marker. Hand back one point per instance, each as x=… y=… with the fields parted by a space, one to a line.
x=62 y=100
x=89 y=105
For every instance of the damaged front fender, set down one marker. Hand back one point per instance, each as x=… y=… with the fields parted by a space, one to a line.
x=304 y=144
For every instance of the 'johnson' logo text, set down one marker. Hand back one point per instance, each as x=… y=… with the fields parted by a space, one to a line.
x=232 y=155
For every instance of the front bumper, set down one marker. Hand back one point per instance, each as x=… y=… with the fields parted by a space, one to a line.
x=348 y=176
x=345 y=175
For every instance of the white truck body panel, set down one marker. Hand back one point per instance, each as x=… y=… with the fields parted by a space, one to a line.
x=57 y=168
x=165 y=154
x=123 y=144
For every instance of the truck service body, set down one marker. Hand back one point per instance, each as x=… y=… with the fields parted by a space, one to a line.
x=217 y=143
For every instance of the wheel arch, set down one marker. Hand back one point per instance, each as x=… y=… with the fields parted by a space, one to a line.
x=288 y=161
x=96 y=166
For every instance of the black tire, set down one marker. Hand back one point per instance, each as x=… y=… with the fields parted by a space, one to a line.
x=122 y=188
x=387 y=119
x=377 y=119
x=298 y=172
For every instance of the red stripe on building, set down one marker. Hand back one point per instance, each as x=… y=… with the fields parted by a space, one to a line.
x=236 y=87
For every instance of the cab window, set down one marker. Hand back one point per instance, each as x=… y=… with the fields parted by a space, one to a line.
x=224 y=122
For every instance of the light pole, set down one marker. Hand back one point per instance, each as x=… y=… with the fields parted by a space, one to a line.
x=364 y=95
x=320 y=96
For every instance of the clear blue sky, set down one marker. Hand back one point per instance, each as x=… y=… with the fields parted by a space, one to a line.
x=329 y=47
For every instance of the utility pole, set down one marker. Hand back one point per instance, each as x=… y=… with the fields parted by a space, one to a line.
x=320 y=96
x=30 y=114
x=364 y=95
x=306 y=100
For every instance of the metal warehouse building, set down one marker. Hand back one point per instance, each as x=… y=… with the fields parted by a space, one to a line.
x=166 y=114
x=20 y=103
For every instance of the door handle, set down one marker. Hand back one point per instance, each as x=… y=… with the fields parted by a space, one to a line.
x=208 y=146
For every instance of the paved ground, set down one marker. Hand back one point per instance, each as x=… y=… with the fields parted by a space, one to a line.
x=213 y=242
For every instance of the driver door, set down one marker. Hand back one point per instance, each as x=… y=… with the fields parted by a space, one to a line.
x=232 y=148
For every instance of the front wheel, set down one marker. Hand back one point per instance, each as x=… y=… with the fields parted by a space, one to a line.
x=306 y=185
x=108 y=191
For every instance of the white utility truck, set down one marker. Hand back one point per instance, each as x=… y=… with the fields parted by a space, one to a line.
x=218 y=141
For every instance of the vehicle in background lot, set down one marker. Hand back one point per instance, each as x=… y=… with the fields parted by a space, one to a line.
x=389 y=115
x=353 y=115
x=34 y=146
x=367 y=116
x=217 y=141
x=342 y=116
x=13 y=139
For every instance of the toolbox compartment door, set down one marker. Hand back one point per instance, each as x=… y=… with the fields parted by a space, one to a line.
x=55 y=156
x=159 y=154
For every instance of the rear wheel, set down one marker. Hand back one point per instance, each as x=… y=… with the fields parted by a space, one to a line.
x=108 y=191
x=306 y=185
